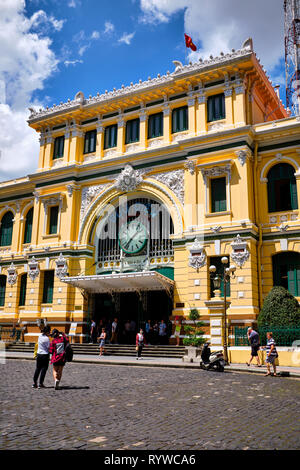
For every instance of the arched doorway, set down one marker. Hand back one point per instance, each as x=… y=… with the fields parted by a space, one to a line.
x=134 y=237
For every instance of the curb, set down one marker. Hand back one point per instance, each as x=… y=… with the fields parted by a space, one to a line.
x=171 y=366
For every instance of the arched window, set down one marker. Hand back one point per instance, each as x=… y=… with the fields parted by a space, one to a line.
x=28 y=226
x=6 y=229
x=282 y=190
x=286 y=271
x=2 y=289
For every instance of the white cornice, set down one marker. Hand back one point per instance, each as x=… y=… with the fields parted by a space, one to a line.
x=169 y=78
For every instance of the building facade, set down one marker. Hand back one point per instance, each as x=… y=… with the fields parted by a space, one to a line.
x=139 y=190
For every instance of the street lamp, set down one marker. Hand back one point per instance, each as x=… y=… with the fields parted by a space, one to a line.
x=225 y=276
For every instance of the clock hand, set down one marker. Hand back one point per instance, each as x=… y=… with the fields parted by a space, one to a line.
x=135 y=233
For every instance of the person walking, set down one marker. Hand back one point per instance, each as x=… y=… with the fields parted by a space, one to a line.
x=42 y=358
x=57 y=349
x=114 y=331
x=162 y=332
x=177 y=330
x=253 y=338
x=102 y=338
x=139 y=342
x=271 y=354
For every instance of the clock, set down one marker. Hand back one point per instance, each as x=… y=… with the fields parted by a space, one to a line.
x=133 y=237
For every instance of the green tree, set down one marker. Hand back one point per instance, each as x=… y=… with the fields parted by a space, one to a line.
x=194 y=332
x=280 y=309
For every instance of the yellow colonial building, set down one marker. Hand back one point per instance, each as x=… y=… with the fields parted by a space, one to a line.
x=139 y=190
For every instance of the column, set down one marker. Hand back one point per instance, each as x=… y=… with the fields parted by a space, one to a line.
x=228 y=107
x=191 y=199
x=143 y=129
x=67 y=143
x=216 y=319
x=239 y=106
x=192 y=115
x=121 y=136
x=48 y=151
x=42 y=151
x=100 y=140
x=76 y=146
x=201 y=121
x=167 y=123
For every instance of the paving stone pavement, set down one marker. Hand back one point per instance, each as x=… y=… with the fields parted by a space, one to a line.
x=130 y=408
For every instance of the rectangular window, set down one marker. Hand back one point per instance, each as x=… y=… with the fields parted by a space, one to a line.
x=53 y=219
x=216 y=107
x=180 y=119
x=155 y=125
x=132 y=131
x=216 y=261
x=2 y=289
x=23 y=286
x=58 y=151
x=110 y=136
x=90 y=139
x=218 y=194
x=48 y=287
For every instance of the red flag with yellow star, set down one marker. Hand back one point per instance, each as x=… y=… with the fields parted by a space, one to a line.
x=189 y=43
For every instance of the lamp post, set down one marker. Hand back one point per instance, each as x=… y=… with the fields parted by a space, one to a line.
x=225 y=276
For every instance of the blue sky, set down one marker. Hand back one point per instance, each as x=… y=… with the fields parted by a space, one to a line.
x=51 y=49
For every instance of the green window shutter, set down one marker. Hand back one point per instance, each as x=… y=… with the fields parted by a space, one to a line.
x=155 y=125
x=271 y=196
x=23 y=286
x=132 y=131
x=218 y=194
x=90 y=141
x=180 y=119
x=293 y=189
x=58 y=151
x=2 y=290
x=216 y=107
x=28 y=226
x=6 y=229
x=53 y=220
x=292 y=279
x=48 y=287
x=110 y=136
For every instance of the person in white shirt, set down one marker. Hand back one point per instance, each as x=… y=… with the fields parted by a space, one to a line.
x=42 y=358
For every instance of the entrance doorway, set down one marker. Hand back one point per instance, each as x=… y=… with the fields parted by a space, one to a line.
x=134 y=309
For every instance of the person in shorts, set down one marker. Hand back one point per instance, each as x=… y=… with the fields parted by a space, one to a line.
x=271 y=354
x=102 y=338
x=253 y=339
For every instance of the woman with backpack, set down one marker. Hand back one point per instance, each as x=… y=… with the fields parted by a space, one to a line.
x=58 y=351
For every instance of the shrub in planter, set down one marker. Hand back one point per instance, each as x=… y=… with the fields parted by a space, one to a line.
x=194 y=332
x=280 y=309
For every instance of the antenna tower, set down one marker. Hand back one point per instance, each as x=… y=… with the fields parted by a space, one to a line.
x=292 y=54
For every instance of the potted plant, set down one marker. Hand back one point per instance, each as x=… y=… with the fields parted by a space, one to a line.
x=194 y=337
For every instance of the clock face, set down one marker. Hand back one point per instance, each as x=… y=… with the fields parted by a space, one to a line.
x=132 y=237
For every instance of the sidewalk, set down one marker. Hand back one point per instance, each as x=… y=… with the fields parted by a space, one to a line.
x=156 y=362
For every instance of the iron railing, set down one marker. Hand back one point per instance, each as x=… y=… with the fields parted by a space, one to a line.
x=283 y=336
x=10 y=334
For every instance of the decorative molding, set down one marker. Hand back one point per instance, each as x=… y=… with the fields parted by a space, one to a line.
x=191 y=166
x=158 y=142
x=129 y=179
x=197 y=257
x=61 y=269
x=240 y=252
x=33 y=269
x=174 y=180
x=216 y=229
x=12 y=275
x=243 y=155
x=36 y=196
x=160 y=80
x=202 y=99
x=216 y=126
x=228 y=92
x=283 y=228
x=215 y=171
x=87 y=195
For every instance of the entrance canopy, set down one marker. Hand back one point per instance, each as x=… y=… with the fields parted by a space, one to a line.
x=121 y=282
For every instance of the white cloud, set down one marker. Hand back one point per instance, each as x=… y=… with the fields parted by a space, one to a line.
x=95 y=35
x=108 y=27
x=73 y=62
x=126 y=38
x=74 y=3
x=26 y=62
x=222 y=25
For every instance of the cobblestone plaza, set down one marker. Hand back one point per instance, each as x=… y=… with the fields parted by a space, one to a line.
x=136 y=408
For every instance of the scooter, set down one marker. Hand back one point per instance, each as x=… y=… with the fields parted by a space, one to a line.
x=212 y=361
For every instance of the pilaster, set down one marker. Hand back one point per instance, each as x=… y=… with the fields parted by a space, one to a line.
x=143 y=129
x=121 y=136
x=192 y=115
x=100 y=141
x=167 y=123
x=201 y=121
